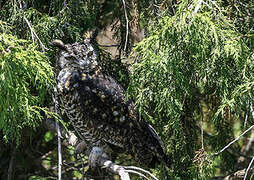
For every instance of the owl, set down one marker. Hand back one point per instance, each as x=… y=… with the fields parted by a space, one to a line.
x=96 y=106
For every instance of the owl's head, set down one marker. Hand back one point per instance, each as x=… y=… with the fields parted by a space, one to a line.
x=80 y=56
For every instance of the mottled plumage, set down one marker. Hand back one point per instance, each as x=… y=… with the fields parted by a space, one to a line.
x=95 y=104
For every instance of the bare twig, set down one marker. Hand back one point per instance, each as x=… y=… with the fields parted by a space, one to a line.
x=138 y=173
x=251 y=110
x=140 y=169
x=114 y=168
x=127 y=26
x=248 y=146
x=246 y=115
x=246 y=172
x=198 y=6
x=214 y=3
x=58 y=136
x=232 y=142
x=33 y=33
x=59 y=152
x=251 y=139
x=250 y=142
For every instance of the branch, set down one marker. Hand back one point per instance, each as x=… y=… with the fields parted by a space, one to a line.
x=246 y=172
x=127 y=26
x=98 y=156
x=33 y=33
x=58 y=136
x=114 y=168
x=198 y=6
x=232 y=142
x=10 y=169
x=142 y=170
x=59 y=152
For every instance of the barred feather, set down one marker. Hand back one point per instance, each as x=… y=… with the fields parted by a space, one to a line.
x=95 y=104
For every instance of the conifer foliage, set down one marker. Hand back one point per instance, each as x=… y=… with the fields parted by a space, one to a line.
x=26 y=76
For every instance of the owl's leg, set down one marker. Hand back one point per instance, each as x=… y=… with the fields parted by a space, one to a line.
x=94 y=153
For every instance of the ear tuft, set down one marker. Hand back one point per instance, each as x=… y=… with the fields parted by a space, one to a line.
x=59 y=44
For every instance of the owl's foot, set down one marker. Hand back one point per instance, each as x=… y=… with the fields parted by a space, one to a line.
x=95 y=156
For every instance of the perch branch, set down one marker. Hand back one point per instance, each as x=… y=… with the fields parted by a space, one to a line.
x=104 y=163
x=140 y=169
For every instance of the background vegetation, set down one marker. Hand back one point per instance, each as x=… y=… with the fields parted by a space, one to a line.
x=188 y=65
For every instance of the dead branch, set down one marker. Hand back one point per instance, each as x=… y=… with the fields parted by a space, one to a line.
x=232 y=142
x=127 y=26
x=33 y=33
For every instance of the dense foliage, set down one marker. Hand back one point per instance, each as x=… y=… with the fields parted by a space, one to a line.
x=191 y=76
x=191 y=57
x=26 y=75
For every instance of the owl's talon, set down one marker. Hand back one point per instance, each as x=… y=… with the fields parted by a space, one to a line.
x=94 y=156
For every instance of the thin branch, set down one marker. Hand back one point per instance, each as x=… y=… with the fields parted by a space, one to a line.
x=10 y=168
x=214 y=3
x=198 y=6
x=114 y=168
x=251 y=110
x=246 y=172
x=202 y=130
x=142 y=170
x=138 y=173
x=33 y=33
x=58 y=136
x=251 y=140
x=127 y=26
x=247 y=114
x=59 y=152
x=232 y=142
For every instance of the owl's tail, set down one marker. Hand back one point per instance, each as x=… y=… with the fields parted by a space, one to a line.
x=158 y=147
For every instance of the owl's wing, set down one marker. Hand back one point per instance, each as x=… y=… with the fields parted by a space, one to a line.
x=108 y=100
x=102 y=100
x=108 y=97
